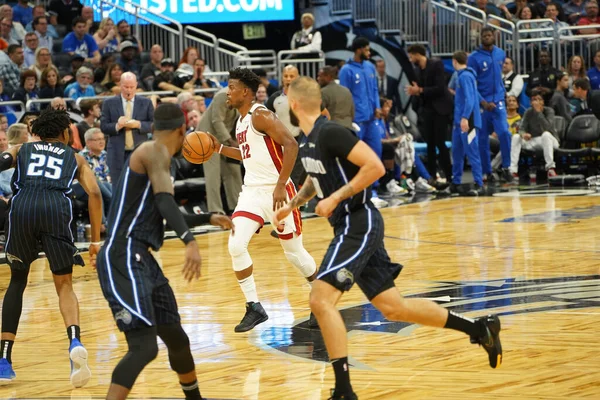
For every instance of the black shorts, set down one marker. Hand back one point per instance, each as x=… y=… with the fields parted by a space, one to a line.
x=357 y=254
x=135 y=287
x=41 y=219
x=388 y=151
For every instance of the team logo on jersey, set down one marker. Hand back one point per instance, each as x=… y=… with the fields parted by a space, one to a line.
x=124 y=316
x=502 y=297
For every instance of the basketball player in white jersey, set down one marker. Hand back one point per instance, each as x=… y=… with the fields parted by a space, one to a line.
x=268 y=151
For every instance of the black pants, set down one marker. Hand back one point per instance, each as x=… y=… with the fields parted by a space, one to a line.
x=434 y=128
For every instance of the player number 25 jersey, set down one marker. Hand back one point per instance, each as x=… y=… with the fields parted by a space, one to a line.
x=261 y=155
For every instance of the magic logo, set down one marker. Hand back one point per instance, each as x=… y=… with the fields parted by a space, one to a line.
x=501 y=297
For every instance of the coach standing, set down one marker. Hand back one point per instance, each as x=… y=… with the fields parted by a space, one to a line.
x=487 y=62
x=360 y=77
x=433 y=106
x=467 y=121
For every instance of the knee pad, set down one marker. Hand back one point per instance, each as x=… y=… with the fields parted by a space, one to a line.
x=238 y=243
x=178 y=344
x=296 y=254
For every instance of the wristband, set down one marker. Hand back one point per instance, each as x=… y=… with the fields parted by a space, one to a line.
x=220 y=149
x=96 y=243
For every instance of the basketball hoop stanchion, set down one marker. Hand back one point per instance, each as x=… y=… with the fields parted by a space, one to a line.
x=594 y=182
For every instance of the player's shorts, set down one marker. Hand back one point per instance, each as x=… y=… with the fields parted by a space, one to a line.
x=135 y=287
x=357 y=254
x=256 y=203
x=41 y=218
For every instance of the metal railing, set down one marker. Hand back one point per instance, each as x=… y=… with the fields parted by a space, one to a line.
x=254 y=59
x=206 y=43
x=157 y=29
x=569 y=45
x=340 y=7
x=531 y=35
x=364 y=11
x=443 y=29
x=227 y=54
x=300 y=59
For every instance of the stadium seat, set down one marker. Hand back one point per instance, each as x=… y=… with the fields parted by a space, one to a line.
x=583 y=129
x=189 y=180
x=56 y=46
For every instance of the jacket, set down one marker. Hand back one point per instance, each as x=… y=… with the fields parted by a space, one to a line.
x=488 y=67
x=466 y=103
x=360 y=79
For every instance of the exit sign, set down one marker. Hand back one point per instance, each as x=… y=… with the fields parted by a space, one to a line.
x=254 y=31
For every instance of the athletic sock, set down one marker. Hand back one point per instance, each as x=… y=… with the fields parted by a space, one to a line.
x=73 y=332
x=6 y=348
x=463 y=324
x=249 y=288
x=342 y=376
x=191 y=390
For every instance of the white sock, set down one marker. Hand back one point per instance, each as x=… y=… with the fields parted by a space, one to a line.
x=249 y=288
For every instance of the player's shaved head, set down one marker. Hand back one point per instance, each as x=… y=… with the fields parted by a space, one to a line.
x=305 y=92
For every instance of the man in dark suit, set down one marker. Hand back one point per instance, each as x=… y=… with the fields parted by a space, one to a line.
x=127 y=119
x=433 y=106
x=387 y=85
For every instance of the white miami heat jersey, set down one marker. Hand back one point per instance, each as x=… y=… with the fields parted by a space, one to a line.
x=261 y=155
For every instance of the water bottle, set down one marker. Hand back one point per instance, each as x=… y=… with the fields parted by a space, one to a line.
x=532 y=176
x=80 y=232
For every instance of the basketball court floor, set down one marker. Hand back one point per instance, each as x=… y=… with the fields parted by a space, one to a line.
x=531 y=256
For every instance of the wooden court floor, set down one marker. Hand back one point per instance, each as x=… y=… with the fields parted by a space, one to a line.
x=534 y=260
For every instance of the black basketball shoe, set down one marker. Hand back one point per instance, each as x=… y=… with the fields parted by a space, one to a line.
x=335 y=396
x=491 y=339
x=255 y=314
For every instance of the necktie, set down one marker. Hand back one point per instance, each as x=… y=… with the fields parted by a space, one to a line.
x=381 y=87
x=128 y=133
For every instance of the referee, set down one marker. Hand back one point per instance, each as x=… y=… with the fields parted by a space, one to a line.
x=340 y=169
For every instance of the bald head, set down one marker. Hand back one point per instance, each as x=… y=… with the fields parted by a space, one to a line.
x=290 y=73
x=305 y=96
x=128 y=85
x=58 y=103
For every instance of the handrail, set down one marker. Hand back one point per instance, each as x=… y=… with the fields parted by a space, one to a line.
x=44 y=101
x=206 y=39
x=286 y=53
x=13 y=103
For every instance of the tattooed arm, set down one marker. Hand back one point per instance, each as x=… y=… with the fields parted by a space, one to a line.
x=307 y=192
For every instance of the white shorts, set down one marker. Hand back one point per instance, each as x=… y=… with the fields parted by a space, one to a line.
x=256 y=203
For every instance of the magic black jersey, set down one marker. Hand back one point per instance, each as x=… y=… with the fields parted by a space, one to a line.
x=323 y=155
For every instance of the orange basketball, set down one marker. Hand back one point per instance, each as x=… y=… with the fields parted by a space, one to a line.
x=197 y=147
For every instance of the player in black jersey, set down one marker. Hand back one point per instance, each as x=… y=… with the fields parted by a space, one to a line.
x=340 y=169
x=41 y=212
x=133 y=283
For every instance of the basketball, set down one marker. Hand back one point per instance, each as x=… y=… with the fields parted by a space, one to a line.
x=197 y=147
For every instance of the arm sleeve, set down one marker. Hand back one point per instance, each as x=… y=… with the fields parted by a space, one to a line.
x=165 y=202
x=197 y=219
x=336 y=141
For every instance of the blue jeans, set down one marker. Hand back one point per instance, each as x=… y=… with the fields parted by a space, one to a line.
x=460 y=148
x=105 y=191
x=494 y=121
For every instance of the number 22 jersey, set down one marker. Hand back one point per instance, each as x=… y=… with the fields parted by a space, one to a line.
x=261 y=155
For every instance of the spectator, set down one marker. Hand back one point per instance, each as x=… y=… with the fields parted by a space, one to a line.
x=262 y=74
x=43 y=60
x=49 y=84
x=28 y=89
x=166 y=80
x=487 y=8
x=574 y=10
x=590 y=100
x=76 y=63
x=82 y=87
x=81 y=43
x=198 y=80
x=3 y=122
x=5 y=32
x=11 y=72
x=576 y=70
x=31 y=44
x=40 y=28
x=387 y=85
x=87 y=13
x=66 y=11
x=261 y=94
x=278 y=102
x=124 y=30
x=193 y=118
x=187 y=102
x=553 y=11
x=388 y=184
x=17 y=31
x=559 y=102
x=16 y=134
x=201 y=104
x=90 y=109
x=536 y=132
x=40 y=12
x=594 y=72
x=106 y=37
x=220 y=120
x=52 y=24
x=336 y=99
x=544 y=77
x=493 y=94
x=512 y=114
x=591 y=18
x=127 y=61
x=106 y=61
x=3 y=142
x=513 y=82
x=112 y=79
x=127 y=119
x=152 y=69
x=433 y=103
x=307 y=39
x=22 y=12
x=541 y=8
x=189 y=58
